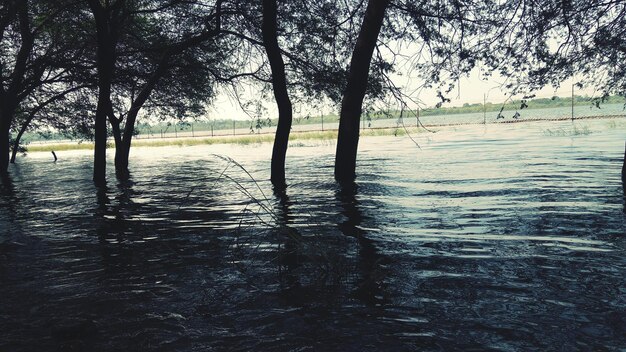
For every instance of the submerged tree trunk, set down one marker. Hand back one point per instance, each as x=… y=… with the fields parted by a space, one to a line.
x=122 y=150
x=351 y=105
x=16 y=142
x=7 y=112
x=4 y=145
x=100 y=140
x=122 y=153
x=124 y=138
x=121 y=168
x=105 y=57
x=279 y=84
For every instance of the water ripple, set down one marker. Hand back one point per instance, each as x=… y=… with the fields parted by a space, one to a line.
x=486 y=238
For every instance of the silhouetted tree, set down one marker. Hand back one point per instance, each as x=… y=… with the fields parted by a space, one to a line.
x=279 y=84
x=32 y=57
x=60 y=110
x=307 y=66
x=545 y=43
x=351 y=105
x=436 y=43
x=141 y=56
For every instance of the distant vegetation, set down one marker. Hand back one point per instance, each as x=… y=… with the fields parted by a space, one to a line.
x=325 y=136
x=538 y=103
x=562 y=132
x=256 y=125
x=225 y=124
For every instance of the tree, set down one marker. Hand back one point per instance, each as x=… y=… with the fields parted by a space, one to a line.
x=35 y=60
x=14 y=17
x=439 y=41
x=137 y=49
x=544 y=43
x=107 y=25
x=303 y=42
x=351 y=105
x=51 y=107
x=279 y=83
x=61 y=52
x=19 y=73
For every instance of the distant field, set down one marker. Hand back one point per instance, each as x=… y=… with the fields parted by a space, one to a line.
x=468 y=113
x=238 y=139
x=613 y=121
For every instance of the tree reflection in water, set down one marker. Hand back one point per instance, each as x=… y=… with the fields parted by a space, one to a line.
x=369 y=288
x=289 y=258
x=434 y=263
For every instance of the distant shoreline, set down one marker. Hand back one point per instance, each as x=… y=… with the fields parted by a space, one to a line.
x=268 y=137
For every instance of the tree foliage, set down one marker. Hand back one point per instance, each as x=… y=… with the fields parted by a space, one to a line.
x=64 y=63
x=545 y=43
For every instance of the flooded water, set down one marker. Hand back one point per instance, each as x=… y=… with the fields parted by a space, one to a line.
x=500 y=237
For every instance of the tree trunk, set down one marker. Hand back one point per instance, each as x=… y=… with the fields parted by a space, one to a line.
x=4 y=146
x=100 y=127
x=123 y=143
x=121 y=150
x=122 y=147
x=100 y=140
x=16 y=142
x=10 y=94
x=351 y=105
x=122 y=153
x=6 y=119
x=105 y=57
x=279 y=84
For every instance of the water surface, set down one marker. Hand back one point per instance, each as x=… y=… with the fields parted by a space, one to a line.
x=498 y=237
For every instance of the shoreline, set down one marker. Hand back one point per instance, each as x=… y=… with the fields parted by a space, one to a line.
x=267 y=137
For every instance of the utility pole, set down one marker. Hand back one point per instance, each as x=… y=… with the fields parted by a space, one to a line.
x=192 y=135
x=484 y=109
x=233 y=127
x=417 y=118
x=322 y=122
x=572 y=102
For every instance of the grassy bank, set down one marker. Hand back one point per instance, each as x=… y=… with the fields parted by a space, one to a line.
x=514 y=105
x=239 y=140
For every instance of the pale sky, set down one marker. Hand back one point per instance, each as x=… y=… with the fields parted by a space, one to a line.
x=470 y=90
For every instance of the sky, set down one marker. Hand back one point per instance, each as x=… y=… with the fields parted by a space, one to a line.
x=472 y=89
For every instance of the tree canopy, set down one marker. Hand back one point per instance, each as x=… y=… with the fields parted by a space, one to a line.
x=93 y=68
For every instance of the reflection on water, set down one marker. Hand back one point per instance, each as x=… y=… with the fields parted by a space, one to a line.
x=499 y=238
x=368 y=259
